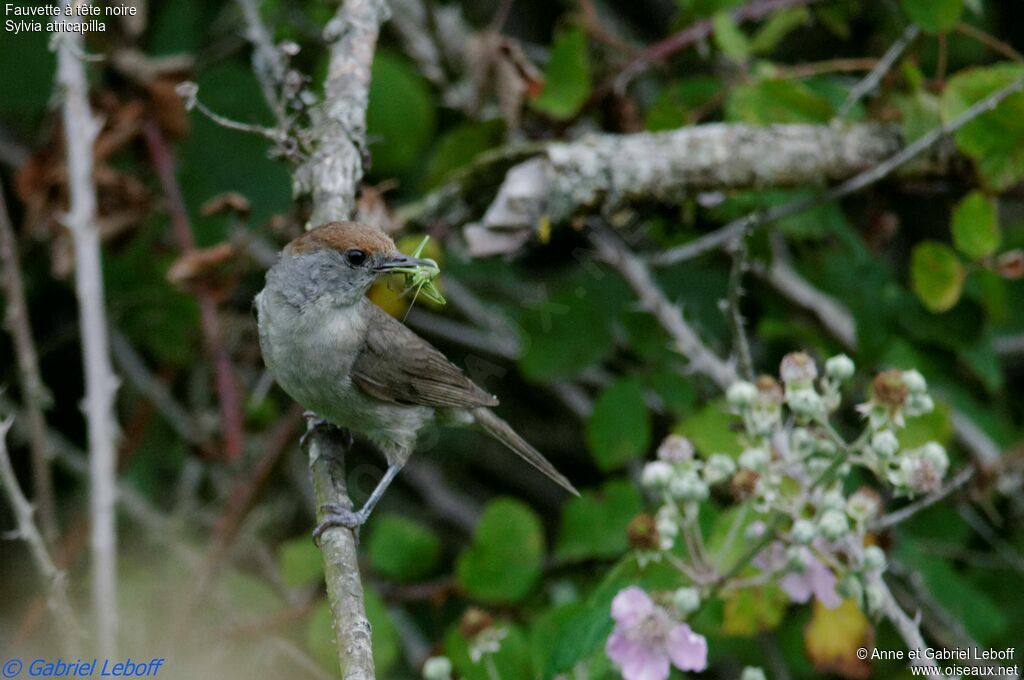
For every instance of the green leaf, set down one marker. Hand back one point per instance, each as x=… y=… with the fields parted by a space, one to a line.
x=980 y=614
x=322 y=643
x=566 y=77
x=976 y=226
x=749 y=611
x=711 y=430
x=934 y=16
x=994 y=140
x=512 y=660
x=619 y=428
x=555 y=347
x=679 y=99
x=936 y=275
x=504 y=561
x=936 y=426
x=400 y=116
x=729 y=38
x=675 y=390
x=920 y=112
x=778 y=26
x=403 y=549
x=594 y=525
x=777 y=101
x=300 y=562
x=459 y=146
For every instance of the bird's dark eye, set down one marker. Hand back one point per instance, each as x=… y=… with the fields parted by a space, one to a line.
x=355 y=257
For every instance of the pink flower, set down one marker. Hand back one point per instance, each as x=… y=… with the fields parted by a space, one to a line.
x=646 y=638
x=816 y=579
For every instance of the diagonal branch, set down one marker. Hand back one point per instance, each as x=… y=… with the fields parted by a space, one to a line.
x=55 y=579
x=80 y=130
x=34 y=392
x=756 y=220
x=669 y=315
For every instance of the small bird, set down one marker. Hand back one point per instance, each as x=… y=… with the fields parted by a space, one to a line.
x=353 y=365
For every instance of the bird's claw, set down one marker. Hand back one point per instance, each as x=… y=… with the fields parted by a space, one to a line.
x=313 y=424
x=335 y=515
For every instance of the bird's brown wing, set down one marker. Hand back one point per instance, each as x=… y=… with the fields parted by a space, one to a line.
x=398 y=366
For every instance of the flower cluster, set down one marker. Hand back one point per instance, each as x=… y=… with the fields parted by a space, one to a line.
x=806 y=534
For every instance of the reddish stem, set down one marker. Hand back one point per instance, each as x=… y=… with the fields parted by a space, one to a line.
x=226 y=385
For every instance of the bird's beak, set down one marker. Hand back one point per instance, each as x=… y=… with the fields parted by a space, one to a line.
x=401 y=261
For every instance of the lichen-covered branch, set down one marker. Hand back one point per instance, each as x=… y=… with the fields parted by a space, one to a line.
x=54 y=578
x=80 y=130
x=334 y=169
x=34 y=392
x=607 y=169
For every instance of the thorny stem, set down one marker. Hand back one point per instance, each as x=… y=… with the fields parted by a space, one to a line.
x=745 y=364
x=34 y=393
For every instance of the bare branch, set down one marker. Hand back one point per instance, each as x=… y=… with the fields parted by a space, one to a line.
x=756 y=220
x=735 y=314
x=908 y=628
x=872 y=79
x=908 y=511
x=669 y=315
x=335 y=168
x=55 y=579
x=80 y=130
x=34 y=392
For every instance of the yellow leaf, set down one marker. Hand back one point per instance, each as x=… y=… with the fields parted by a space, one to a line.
x=833 y=637
x=386 y=293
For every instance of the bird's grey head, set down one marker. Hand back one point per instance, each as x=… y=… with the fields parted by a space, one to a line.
x=334 y=263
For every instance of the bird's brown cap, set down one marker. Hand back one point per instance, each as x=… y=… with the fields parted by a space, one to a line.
x=343 y=236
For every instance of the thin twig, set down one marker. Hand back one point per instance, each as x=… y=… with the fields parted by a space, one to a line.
x=759 y=219
x=884 y=65
x=228 y=395
x=34 y=393
x=687 y=342
x=908 y=628
x=80 y=130
x=736 y=321
x=694 y=33
x=908 y=511
x=989 y=41
x=55 y=579
x=267 y=61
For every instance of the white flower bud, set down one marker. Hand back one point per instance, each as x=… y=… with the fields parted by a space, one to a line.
x=755 y=530
x=885 y=443
x=915 y=382
x=804 y=402
x=796 y=558
x=656 y=475
x=675 y=449
x=833 y=499
x=718 y=468
x=863 y=504
x=741 y=394
x=754 y=459
x=874 y=598
x=918 y=404
x=874 y=558
x=839 y=367
x=803 y=531
x=802 y=441
x=752 y=673
x=437 y=668
x=833 y=525
x=851 y=587
x=934 y=453
x=798 y=369
x=686 y=600
x=688 y=486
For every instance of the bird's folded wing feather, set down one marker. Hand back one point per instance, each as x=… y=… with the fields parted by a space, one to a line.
x=398 y=366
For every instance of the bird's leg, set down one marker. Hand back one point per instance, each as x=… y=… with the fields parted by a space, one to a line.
x=338 y=516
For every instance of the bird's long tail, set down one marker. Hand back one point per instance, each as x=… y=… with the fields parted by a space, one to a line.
x=503 y=432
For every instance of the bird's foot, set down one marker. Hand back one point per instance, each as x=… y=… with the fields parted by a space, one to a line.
x=313 y=424
x=336 y=515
